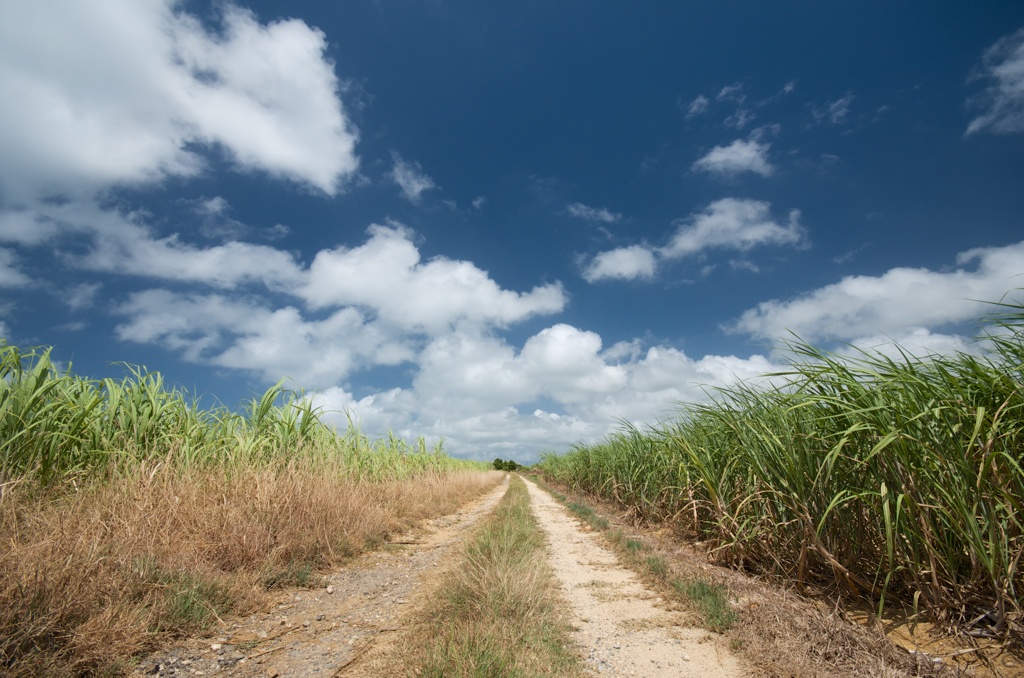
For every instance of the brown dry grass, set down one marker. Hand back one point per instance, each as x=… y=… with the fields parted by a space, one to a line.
x=91 y=577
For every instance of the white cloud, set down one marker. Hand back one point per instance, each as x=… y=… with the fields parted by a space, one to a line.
x=479 y=202
x=697 y=106
x=212 y=207
x=1003 y=99
x=122 y=92
x=471 y=386
x=739 y=156
x=733 y=92
x=10 y=275
x=410 y=178
x=743 y=265
x=729 y=223
x=5 y=331
x=624 y=263
x=893 y=303
x=123 y=244
x=582 y=211
x=80 y=296
x=384 y=276
x=387 y=275
x=835 y=112
x=733 y=224
x=249 y=335
x=740 y=119
x=914 y=341
x=476 y=390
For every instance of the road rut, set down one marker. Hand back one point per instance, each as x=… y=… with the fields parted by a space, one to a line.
x=622 y=629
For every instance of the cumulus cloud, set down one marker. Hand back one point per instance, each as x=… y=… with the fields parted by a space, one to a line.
x=736 y=224
x=410 y=178
x=1002 y=101
x=729 y=224
x=738 y=157
x=10 y=275
x=124 y=244
x=387 y=275
x=475 y=390
x=247 y=334
x=122 y=92
x=624 y=263
x=581 y=211
x=898 y=301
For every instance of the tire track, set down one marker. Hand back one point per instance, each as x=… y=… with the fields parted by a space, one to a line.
x=622 y=631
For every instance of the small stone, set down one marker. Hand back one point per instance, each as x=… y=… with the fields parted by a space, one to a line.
x=306 y=624
x=330 y=590
x=216 y=647
x=321 y=617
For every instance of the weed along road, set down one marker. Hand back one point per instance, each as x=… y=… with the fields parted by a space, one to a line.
x=335 y=628
x=367 y=618
x=623 y=631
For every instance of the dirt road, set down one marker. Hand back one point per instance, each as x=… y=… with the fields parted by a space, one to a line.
x=353 y=626
x=324 y=632
x=623 y=629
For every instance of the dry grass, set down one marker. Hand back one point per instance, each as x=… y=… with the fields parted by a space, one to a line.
x=91 y=577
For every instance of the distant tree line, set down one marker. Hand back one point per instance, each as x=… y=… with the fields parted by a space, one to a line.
x=502 y=465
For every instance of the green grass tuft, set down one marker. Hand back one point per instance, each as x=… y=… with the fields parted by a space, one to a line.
x=710 y=601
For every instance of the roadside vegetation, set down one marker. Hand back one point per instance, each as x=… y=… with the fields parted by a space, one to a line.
x=130 y=515
x=890 y=479
x=503 y=465
x=496 y=615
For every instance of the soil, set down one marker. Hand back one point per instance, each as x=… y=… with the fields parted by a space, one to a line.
x=624 y=628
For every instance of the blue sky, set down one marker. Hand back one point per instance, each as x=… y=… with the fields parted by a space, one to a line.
x=508 y=224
